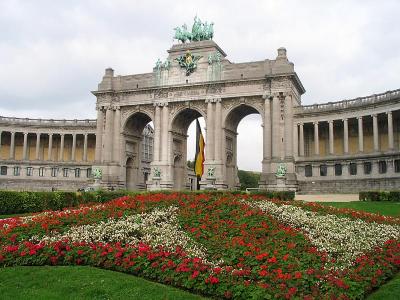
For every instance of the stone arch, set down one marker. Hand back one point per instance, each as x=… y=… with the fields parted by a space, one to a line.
x=237 y=112
x=137 y=149
x=190 y=113
x=179 y=127
x=232 y=118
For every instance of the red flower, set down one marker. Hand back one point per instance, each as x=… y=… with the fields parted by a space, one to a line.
x=263 y=273
x=272 y=259
x=195 y=274
x=297 y=275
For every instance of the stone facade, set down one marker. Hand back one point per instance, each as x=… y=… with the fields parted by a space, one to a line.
x=343 y=146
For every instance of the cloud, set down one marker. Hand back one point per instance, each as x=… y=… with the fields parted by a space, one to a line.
x=53 y=53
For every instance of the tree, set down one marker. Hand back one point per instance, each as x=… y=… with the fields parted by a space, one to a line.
x=248 y=179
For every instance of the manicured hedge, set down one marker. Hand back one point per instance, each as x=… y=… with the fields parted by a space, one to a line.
x=380 y=196
x=27 y=202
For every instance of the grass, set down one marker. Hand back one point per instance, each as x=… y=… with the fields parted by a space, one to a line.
x=77 y=282
x=388 y=291
x=384 y=208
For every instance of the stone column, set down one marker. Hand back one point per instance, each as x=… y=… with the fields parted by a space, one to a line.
x=85 y=141
x=157 y=132
x=331 y=148
x=218 y=131
x=50 y=146
x=390 y=130
x=73 y=147
x=99 y=134
x=288 y=127
x=210 y=131
x=1 y=132
x=267 y=129
x=345 y=136
x=37 y=146
x=301 y=125
x=12 y=145
x=316 y=138
x=25 y=147
x=296 y=141
x=375 y=132
x=61 y=157
x=108 y=142
x=276 y=122
x=360 y=135
x=164 y=135
x=117 y=142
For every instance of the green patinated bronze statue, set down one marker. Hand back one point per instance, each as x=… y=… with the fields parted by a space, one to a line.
x=281 y=170
x=200 y=31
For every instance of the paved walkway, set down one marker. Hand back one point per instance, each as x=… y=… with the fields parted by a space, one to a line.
x=328 y=197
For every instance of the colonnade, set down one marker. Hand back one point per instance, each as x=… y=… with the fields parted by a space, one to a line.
x=345 y=122
x=47 y=156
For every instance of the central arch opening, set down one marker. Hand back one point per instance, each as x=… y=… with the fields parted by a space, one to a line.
x=184 y=145
x=243 y=146
x=138 y=136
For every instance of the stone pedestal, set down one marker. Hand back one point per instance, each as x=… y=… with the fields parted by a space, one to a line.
x=272 y=182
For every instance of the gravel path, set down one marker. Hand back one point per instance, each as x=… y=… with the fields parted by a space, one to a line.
x=328 y=197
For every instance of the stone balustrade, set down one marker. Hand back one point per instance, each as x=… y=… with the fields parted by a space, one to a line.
x=351 y=103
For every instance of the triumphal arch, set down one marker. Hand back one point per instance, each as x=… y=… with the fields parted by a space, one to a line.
x=197 y=80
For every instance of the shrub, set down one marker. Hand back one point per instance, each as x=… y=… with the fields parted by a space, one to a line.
x=28 y=202
x=380 y=196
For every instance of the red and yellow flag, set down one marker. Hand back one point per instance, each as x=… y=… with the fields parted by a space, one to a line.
x=199 y=159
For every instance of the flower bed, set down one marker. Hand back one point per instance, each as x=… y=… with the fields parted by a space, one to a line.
x=222 y=245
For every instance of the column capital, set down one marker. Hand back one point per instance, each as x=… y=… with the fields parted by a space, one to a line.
x=266 y=96
x=26 y=133
x=345 y=119
x=389 y=112
x=315 y=122
x=330 y=121
x=359 y=118
x=50 y=134
x=300 y=123
x=374 y=115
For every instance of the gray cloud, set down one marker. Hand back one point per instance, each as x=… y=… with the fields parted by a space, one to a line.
x=53 y=53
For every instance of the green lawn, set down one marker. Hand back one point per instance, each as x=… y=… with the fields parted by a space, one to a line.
x=81 y=283
x=383 y=208
x=389 y=291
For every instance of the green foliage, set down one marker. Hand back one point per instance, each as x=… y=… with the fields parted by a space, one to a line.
x=248 y=179
x=28 y=202
x=280 y=195
x=380 y=196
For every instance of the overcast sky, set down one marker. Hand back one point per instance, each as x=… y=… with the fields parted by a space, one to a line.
x=53 y=53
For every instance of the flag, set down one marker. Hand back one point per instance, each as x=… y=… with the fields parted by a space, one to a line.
x=199 y=159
